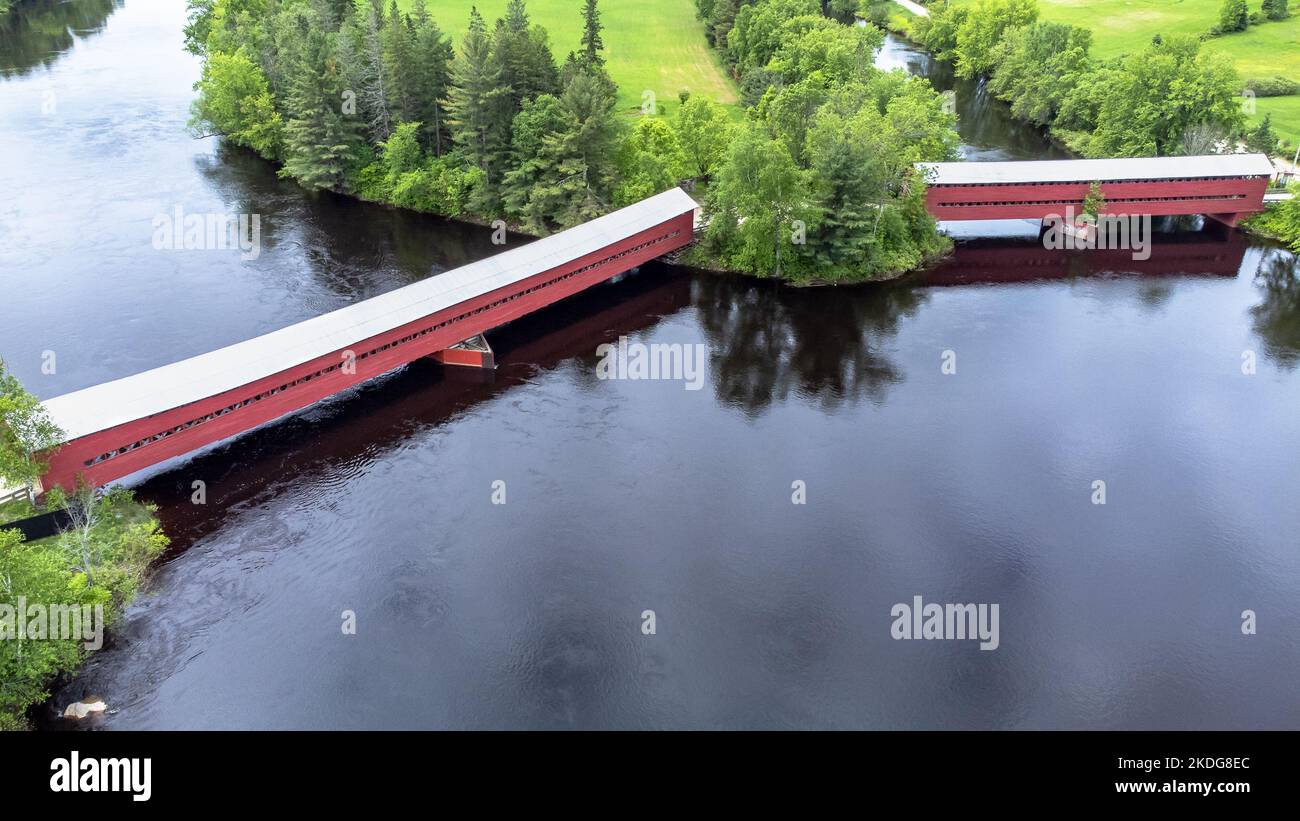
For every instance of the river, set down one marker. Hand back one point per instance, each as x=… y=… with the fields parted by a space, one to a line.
x=627 y=496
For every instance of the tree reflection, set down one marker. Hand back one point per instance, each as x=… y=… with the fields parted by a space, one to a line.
x=1277 y=317
x=352 y=248
x=768 y=340
x=1153 y=294
x=37 y=33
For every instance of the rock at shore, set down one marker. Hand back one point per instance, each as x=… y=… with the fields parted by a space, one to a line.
x=83 y=708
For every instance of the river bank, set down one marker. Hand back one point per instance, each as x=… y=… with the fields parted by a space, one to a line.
x=1264 y=225
x=62 y=594
x=552 y=153
x=697 y=260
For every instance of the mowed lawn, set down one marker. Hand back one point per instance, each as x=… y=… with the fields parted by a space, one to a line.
x=1286 y=116
x=1125 y=26
x=650 y=45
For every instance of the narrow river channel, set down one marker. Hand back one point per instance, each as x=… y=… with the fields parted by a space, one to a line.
x=626 y=496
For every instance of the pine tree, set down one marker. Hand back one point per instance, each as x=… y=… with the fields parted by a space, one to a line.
x=397 y=43
x=540 y=118
x=507 y=51
x=1095 y=202
x=720 y=21
x=478 y=111
x=372 y=78
x=516 y=18
x=538 y=73
x=319 y=137
x=1233 y=16
x=360 y=74
x=592 y=45
x=333 y=13
x=848 y=201
x=1275 y=9
x=524 y=57
x=431 y=59
x=1262 y=138
x=575 y=168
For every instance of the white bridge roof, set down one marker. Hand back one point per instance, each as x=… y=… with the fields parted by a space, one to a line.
x=1133 y=168
x=124 y=400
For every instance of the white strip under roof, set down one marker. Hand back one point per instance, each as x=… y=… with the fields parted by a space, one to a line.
x=124 y=400
x=1134 y=168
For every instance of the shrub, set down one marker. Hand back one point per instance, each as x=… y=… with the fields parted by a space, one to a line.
x=105 y=568
x=1281 y=220
x=1272 y=86
x=438 y=187
x=1233 y=16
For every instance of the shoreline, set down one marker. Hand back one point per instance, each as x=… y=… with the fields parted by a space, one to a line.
x=692 y=257
x=1246 y=226
x=687 y=259
x=127 y=539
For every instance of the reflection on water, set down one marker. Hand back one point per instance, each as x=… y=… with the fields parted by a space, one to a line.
x=1276 y=319
x=625 y=496
x=35 y=32
x=770 y=342
x=1212 y=251
x=343 y=240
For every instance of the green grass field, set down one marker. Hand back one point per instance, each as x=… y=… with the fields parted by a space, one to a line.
x=1286 y=116
x=1124 y=26
x=650 y=45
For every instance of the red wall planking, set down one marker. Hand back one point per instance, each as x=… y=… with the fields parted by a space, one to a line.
x=1035 y=201
x=70 y=460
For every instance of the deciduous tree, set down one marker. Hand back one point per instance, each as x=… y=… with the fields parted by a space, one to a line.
x=25 y=432
x=753 y=203
x=1146 y=106
x=651 y=161
x=703 y=132
x=234 y=100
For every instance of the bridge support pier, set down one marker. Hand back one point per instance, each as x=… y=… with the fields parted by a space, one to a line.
x=474 y=352
x=1229 y=220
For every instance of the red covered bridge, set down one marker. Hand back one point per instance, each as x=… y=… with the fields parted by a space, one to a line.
x=1226 y=187
x=117 y=428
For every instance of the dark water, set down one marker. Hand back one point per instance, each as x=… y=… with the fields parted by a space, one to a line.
x=624 y=496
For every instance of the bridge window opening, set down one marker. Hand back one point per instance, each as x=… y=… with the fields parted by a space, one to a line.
x=329 y=369
x=1075 y=202
x=1088 y=182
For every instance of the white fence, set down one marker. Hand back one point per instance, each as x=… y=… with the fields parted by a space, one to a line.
x=6 y=495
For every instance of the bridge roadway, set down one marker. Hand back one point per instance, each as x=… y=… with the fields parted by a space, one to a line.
x=117 y=428
x=1226 y=187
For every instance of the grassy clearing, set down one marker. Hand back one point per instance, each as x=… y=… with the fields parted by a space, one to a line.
x=1125 y=26
x=1286 y=115
x=900 y=19
x=650 y=45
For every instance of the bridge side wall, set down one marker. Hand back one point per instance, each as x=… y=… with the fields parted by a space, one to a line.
x=145 y=442
x=1233 y=195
